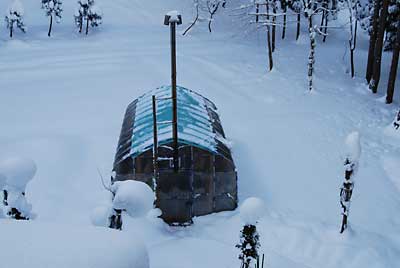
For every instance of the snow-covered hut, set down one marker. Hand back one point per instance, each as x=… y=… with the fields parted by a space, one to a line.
x=206 y=181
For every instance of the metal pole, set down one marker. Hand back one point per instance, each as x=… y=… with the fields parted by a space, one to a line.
x=174 y=97
x=155 y=144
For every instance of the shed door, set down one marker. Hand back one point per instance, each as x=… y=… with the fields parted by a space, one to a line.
x=175 y=196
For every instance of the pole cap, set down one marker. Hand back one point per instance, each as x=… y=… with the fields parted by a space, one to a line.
x=173 y=17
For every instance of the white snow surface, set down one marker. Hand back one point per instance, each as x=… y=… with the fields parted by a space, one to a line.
x=62 y=102
x=252 y=210
x=135 y=197
x=34 y=244
x=18 y=171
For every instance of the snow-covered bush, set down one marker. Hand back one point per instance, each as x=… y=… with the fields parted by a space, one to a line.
x=133 y=198
x=350 y=169
x=15 y=15
x=396 y=122
x=2 y=186
x=251 y=211
x=89 y=11
x=17 y=172
x=52 y=8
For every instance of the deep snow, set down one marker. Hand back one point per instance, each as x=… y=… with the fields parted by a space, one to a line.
x=62 y=102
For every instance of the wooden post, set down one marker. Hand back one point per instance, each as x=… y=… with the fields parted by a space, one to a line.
x=155 y=144
x=172 y=22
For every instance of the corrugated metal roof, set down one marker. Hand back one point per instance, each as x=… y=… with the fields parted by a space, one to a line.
x=198 y=123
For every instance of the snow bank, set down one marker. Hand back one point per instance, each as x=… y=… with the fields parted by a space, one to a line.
x=34 y=244
x=18 y=172
x=252 y=210
x=133 y=196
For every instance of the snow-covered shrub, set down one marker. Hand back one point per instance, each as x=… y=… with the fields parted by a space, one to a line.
x=90 y=12
x=350 y=169
x=251 y=211
x=2 y=186
x=18 y=172
x=52 y=8
x=15 y=15
x=133 y=198
x=396 y=122
x=95 y=16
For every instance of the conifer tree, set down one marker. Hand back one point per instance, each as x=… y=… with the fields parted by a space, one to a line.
x=15 y=16
x=52 y=8
x=249 y=245
x=90 y=12
x=392 y=24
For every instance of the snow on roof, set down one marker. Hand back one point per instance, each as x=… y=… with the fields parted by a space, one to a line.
x=198 y=123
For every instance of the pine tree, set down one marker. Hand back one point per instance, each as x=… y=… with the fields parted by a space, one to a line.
x=52 y=8
x=15 y=15
x=391 y=24
x=249 y=245
x=95 y=16
x=90 y=12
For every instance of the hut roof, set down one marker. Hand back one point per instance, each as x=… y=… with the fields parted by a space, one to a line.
x=198 y=123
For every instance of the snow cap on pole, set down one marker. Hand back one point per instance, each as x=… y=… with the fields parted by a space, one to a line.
x=173 y=16
x=18 y=172
x=252 y=210
x=353 y=146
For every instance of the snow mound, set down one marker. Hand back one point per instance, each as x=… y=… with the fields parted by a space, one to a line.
x=18 y=171
x=100 y=216
x=34 y=244
x=133 y=196
x=353 y=146
x=252 y=210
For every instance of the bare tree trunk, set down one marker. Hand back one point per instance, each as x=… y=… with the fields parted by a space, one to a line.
x=87 y=26
x=298 y=26
x=352 y=48
x=51 y=25
x=273 y=25
x=284 y=21
x=271 y=63
x=311 y=57
x=80 y=26
x=194 y=22
x=393 y=68
x=325 y=29
x=11 y=30
x=372 y=41
x=257 y=11
x=376 y=75
x=212 y=10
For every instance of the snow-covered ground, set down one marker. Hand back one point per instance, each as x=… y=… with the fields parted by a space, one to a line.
x=62 y=102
